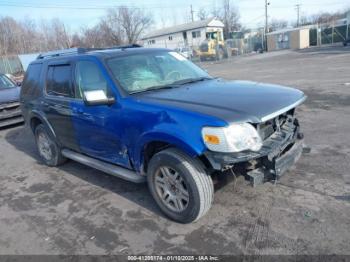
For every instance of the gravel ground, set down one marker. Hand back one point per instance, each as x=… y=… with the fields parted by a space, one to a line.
x=77 y=210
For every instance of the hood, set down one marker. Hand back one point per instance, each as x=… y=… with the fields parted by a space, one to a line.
x=9 y=94
x=232 y=101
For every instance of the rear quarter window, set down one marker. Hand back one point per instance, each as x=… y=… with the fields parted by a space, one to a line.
x=31 y=82
x=59 y=81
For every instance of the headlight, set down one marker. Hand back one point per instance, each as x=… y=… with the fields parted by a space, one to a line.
x=234 y=138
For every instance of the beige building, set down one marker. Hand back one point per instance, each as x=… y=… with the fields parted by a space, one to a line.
x=295 y=38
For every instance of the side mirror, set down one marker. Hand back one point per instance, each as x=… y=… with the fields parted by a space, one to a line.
x=97 y=97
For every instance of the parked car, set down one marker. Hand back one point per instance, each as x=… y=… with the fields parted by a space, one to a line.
x=185 y=51
x=10 y=112
x=346 y=41
x=145 y=114
x=16 y=79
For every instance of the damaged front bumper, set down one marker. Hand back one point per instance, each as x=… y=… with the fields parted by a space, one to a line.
x=279 y=152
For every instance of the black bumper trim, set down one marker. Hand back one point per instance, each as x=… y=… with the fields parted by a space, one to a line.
x=278 y=166
x=288 y=159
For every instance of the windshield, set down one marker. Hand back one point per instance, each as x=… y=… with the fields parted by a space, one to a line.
x=142 y=72
x=5 y=82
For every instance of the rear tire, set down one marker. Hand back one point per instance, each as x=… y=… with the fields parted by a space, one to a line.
x=180 y=185
x=48 y=149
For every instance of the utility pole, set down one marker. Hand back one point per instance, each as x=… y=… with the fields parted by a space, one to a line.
x=333 y=31
x=266 y=23
x=347 y=26
x=297 y=6
x=192 y=13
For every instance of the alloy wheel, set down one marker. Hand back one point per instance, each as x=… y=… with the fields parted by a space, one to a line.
x=44 y=146
x=171 y=189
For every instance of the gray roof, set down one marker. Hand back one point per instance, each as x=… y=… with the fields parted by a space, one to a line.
x=285 y=30
x=179 y=28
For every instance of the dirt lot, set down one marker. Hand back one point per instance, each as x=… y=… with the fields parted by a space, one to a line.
x=76 y=210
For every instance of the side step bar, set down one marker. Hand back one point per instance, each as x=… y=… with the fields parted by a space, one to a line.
x=110 y=169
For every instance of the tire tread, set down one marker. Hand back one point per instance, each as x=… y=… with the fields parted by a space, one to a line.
x=202 y=179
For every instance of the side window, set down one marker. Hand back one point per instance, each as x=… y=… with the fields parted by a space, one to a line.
x=88 y=77
x=30 y=86
x=59 y=81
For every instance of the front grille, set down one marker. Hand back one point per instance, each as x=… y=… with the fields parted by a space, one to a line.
x=10 y=113
x=268 y=128
x=9 y=105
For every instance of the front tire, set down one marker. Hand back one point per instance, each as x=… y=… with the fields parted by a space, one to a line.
x=48 y=149
x=180 y=185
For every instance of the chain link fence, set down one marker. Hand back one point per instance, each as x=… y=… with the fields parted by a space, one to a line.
x=329 y=33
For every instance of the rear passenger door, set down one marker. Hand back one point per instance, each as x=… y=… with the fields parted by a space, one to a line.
x=59 y=93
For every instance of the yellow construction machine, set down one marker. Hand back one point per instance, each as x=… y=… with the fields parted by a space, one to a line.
x=213 y=47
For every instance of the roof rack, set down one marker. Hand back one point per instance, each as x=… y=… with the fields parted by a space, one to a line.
x=62 y=52
x=81 y=50
x=122 y=47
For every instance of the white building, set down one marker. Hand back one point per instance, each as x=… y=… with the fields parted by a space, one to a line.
x=190 y=34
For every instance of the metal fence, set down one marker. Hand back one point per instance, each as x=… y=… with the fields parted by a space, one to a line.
x=329 y=34
x=245 y=45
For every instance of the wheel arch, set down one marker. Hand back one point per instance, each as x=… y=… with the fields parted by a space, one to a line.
x=37 y=118
x=154 y=143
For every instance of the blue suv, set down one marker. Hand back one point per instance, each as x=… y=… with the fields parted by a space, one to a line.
x=151 y=115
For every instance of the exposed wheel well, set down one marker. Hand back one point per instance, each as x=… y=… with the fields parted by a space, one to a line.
x=34 y=122
x=154 y=147
x=150 y=150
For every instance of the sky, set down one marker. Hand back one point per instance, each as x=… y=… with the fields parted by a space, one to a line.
x=86 y=13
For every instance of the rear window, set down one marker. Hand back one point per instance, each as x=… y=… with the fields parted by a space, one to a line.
x=59 y=81
x=31 y=80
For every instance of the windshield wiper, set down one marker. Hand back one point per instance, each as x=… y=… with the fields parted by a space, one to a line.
x=191 y=80
x=153 y=88
x=175 y=84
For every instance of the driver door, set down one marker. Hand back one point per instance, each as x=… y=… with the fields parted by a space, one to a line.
x=97 y=126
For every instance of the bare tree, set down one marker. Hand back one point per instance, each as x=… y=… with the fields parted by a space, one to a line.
x=304 y=20
x=31 y=39
x=76 y=40
x=277 y=24
x=127 y=24
x=202 y=14
x=229 y=15
x=326 y=18
x=121 y=25
x=10 y=35
x=60 y=34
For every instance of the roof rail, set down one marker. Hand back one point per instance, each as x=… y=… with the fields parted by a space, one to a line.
x=123 y=46
x=81 y=50
x=62 y=52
